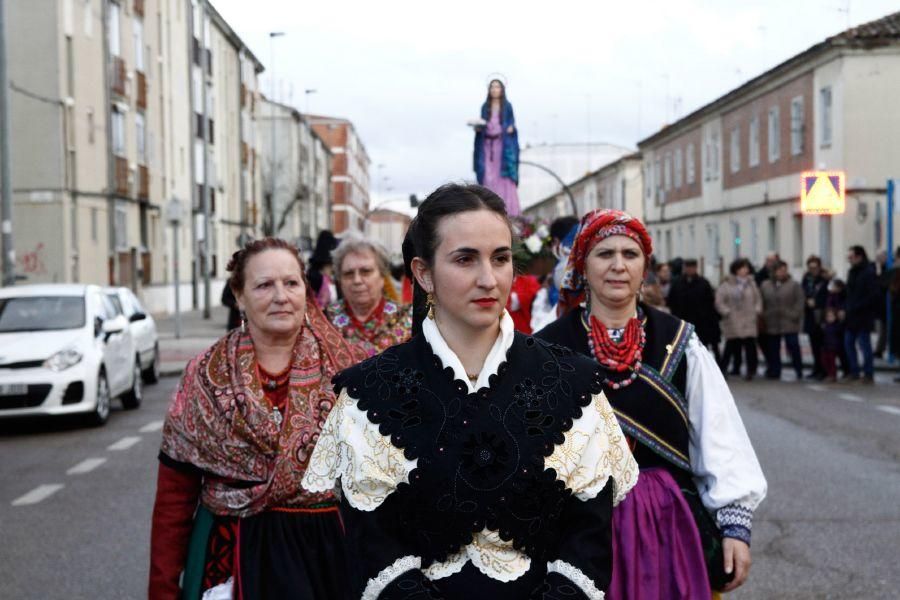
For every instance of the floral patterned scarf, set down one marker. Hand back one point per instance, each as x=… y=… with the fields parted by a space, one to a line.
x=221 y=422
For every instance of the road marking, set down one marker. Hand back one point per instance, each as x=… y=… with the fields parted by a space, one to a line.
x=151 y=427
x=125 y=443
x=889 y=409
x=850 y=397
x=817 y=388
x=86 y=466
x=41 y=492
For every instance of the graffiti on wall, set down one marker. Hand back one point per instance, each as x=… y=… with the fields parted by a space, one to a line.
x=32 y=262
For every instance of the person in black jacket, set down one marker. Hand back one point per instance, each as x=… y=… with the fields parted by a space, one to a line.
x=862 y=300
x=815 y=288
x=692 y=299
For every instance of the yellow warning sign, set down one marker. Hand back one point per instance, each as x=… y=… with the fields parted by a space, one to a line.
x=822 y=193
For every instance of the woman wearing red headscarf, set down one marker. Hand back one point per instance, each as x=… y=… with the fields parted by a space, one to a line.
x=684 y=530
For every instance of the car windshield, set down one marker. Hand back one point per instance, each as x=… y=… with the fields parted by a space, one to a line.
x=41 y=313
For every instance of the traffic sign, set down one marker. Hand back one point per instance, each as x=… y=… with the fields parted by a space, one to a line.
x=822 y=192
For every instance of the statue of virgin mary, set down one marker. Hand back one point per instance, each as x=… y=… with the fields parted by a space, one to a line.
x=496 y=156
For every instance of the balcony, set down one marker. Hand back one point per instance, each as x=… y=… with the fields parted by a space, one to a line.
x=143 y=183
x=121 y=188
x=141 y=90
x=117 y=76
x=139 y=7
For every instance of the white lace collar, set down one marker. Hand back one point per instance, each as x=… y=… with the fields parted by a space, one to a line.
x=449 y=358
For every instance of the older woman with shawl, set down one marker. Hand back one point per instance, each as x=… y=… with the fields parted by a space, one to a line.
x=365 y=316
x=684 y=530
x=230 y=512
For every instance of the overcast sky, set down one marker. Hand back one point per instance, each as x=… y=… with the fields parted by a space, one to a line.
x=409 y=74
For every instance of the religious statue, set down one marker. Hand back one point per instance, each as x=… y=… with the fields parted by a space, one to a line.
x=496 y=156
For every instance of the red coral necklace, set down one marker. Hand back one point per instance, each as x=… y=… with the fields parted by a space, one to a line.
x=626 y=355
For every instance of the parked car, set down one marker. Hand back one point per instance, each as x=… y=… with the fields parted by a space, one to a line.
x=64 y=350
x=143 y=330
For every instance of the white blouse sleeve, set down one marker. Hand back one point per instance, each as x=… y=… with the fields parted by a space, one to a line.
x=726 y=470
x=351 y=448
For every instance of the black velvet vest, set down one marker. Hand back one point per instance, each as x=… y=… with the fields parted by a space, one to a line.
x=480 y=455
x=653 y=410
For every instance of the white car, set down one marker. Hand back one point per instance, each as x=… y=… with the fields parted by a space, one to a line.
x=143 y=330
x=63 y=350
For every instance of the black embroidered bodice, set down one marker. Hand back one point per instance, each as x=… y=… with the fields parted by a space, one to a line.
x=480 y=455
x=654 y=409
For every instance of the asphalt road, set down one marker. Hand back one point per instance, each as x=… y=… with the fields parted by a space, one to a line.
x=828 y=529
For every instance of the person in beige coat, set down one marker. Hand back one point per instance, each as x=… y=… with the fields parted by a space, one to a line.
x=783 y=302
x=740 y=304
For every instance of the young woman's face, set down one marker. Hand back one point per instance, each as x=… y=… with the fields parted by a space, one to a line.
x=614 y=270
x=743 y=271
x=472 y=270
x=496 y=89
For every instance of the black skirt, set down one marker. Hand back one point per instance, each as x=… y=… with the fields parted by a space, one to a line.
x=292 y=555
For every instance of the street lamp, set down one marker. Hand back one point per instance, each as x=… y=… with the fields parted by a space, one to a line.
x=272 y=159
x=306 y=94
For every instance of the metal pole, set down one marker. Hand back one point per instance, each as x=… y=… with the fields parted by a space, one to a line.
x=892 y=352
x=559 y=180
x=9 y=253
x=204 y=62
x=177 y=281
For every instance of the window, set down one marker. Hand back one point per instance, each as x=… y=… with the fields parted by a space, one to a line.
x=90 y=125
x=667 y=172
x=678 y=167
x=115 y=43
x=798 y=240
x=754 y=240
x=197 y=89
x=735 y=149
x=712 y=156
x=825 y=241
x=825 y=101
x=689 y=165
x=121 y=227
x=93 y=224
x=139 y=44
x=140 y=138
x=736 y=234
x=657 y=178
x=797 y=125
x=753 y=150
x=774 y=134
x=118 y=132
x=772 y=241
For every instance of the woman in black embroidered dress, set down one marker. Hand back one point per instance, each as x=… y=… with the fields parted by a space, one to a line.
x=475 y=462
x=684 y=529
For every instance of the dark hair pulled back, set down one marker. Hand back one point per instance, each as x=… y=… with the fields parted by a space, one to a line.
x=237 y=266
x=422 y=236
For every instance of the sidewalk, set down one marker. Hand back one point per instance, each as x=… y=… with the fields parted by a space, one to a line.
x=197 y=334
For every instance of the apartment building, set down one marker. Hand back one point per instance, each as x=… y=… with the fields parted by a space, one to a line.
x=110 y=124
x=388 y=228
x=227 y=192
x=724 y=181
x=616 y=185
x=296 y=169
x=349 y=172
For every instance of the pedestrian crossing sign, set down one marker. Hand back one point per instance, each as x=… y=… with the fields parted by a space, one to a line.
x=822 y=193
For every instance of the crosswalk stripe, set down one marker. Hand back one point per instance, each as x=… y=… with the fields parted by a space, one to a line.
x=894 y=410
x=41 y=492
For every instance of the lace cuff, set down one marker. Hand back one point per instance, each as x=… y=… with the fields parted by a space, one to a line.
x=577 y=577
x=735 y=521
x=375 y=586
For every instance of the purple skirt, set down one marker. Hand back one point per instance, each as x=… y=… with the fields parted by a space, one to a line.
x=657 y=552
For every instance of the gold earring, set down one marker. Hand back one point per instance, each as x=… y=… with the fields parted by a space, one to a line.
x=429 y=304
x=243 y=322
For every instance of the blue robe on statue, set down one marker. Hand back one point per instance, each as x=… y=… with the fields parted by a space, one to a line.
x=509 y=167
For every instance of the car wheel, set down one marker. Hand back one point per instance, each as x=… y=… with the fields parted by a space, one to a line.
x=151 y=373
x=132 y=398
x=100 y=414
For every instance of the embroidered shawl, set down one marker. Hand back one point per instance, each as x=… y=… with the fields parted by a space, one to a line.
x=221 y=422
x=388 y=326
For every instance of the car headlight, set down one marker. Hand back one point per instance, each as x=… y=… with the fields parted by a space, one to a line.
x=63 y=359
